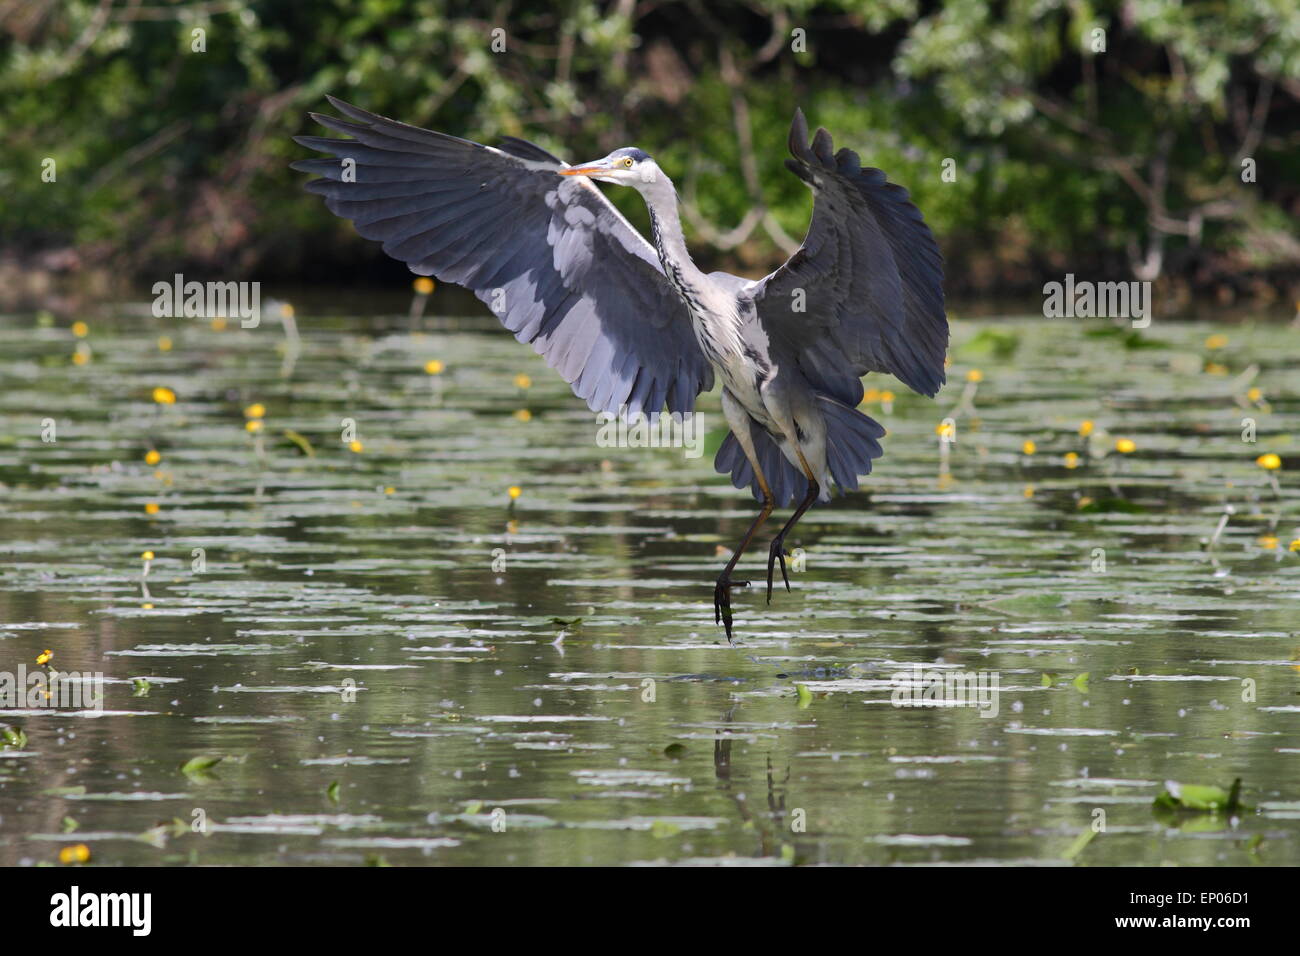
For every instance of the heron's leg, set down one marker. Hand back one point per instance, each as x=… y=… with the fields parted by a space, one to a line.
x=722 y=590
x=777 y=551
x=739 y=421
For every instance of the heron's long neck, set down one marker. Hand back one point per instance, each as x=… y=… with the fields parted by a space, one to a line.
x=666 y=227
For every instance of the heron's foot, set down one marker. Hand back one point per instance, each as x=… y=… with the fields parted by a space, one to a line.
x=774 y=554
x=722 y=602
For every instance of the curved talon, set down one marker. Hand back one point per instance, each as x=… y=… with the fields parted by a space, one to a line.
x=722 y=602
x=776 y=553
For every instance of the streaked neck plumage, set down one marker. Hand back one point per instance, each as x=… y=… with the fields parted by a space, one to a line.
x=712 y=307
x=666 y=229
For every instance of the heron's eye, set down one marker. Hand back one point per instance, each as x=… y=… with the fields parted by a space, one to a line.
x=627 y=162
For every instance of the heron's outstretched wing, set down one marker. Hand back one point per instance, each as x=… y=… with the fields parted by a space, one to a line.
x=549 y=254
x=864 y=293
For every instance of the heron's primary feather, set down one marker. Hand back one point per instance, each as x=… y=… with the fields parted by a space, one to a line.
x=556 y=262
x=864 y=293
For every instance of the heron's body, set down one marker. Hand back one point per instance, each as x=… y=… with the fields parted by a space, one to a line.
x=634 y=325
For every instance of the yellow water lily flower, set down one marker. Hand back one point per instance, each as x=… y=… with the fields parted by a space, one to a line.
x=80 y=853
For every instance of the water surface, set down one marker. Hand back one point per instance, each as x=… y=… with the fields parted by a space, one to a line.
x=398 y=664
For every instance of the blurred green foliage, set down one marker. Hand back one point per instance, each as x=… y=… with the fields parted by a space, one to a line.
x=1082 y=135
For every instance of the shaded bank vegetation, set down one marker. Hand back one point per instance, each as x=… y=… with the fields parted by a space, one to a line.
x=1109 y=139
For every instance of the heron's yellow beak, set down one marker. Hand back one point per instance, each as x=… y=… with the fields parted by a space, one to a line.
x=580 y=170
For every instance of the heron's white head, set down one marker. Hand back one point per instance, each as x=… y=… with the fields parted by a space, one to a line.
x=628 y=166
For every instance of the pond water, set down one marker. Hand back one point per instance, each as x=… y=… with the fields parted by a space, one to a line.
x=396 y=662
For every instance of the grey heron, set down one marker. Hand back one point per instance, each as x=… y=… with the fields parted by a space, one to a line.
x=633 y=325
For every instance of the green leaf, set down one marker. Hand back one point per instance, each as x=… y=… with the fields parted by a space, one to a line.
x=991 y=343
x=198 y=768
x=1200 y=798
x=332 y=792
x=301 y=441
x=1086 y=836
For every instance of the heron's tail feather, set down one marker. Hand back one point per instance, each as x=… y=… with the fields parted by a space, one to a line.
x=785 y=480
x=852 y=442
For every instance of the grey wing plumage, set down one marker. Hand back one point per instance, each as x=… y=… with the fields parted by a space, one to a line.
x=864 y=293
x=556 y=262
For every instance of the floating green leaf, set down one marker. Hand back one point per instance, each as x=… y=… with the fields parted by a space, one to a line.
x=301 y=441
x=200 y=768
x=1199 y=798
x=1086 y=836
